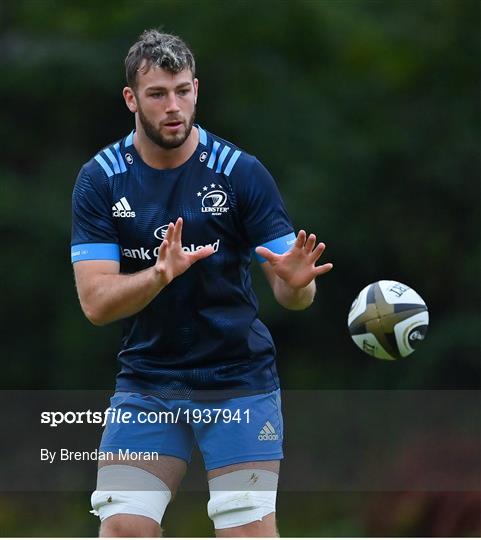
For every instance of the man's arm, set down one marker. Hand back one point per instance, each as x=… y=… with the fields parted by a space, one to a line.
x=292 y=274
x=106 y=295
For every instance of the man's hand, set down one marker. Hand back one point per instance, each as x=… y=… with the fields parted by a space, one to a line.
x=172 y=259
x=297 y=267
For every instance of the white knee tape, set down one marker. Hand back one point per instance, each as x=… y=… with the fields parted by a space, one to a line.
x=123 y=489
x=242 y=497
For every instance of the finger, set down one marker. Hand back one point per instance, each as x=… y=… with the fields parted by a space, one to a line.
x=163 y=249
x=170 y=232
x=310 y=243
x=178 y=230
x=206 y=251
x=318 y=251
x=266 y=253
x=301 y=239
x=323 y=269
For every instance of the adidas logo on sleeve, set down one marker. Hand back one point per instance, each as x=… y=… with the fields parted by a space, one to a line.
x=122 y=209
x=268 y=433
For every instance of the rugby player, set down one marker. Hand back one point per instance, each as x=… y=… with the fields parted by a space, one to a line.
x=165 y=223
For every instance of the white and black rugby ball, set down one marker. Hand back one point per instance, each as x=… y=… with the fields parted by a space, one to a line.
x=388 y=320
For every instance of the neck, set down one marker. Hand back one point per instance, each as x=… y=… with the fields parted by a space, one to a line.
x=163 y=158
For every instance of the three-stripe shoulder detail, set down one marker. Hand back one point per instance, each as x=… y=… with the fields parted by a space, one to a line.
x=218 y=158
x=111 y=160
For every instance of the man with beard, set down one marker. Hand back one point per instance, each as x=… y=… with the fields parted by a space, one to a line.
x=165 y=222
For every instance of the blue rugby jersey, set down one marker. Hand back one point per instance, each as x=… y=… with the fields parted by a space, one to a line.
x=202 y=332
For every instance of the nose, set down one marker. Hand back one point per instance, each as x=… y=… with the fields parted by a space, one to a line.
x=172 y=105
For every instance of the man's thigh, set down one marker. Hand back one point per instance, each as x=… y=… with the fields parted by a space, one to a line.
x=242 y=453
x=170 y=470
x=143 y=463
x=273 y=466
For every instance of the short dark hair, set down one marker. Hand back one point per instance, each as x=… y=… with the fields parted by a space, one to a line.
x=166 y=51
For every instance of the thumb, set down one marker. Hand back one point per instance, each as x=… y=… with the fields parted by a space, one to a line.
x=206 y=251
x=266 y=253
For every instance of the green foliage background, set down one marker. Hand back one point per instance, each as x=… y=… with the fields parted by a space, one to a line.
x=366 y=112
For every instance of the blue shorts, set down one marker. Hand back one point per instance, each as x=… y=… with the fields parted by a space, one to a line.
x=228 y=431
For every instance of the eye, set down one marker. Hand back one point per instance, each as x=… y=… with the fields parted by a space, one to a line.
x=183 y=91
x=156 y=95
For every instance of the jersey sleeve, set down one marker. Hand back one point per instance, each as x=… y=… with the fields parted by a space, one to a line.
x=94 y=235
x=263 y=214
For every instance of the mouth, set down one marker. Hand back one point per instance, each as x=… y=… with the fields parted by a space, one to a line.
x=175 y=124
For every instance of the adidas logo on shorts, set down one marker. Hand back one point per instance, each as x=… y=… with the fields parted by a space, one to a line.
x=268 y=433
x=122 y=209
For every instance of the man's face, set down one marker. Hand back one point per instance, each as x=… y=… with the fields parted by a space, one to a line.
x=165 y=103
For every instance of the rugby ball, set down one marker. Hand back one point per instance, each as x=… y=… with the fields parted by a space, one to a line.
x=388 y=320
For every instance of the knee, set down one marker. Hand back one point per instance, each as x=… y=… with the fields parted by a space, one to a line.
x=129 y=501
x=125 y=525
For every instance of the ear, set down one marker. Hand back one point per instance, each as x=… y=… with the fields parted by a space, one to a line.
x=130 y=99
x=196 y=90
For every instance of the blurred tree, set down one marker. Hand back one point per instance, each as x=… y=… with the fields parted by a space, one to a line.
x=367 y=113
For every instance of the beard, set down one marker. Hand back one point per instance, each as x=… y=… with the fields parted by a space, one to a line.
x=167 y=142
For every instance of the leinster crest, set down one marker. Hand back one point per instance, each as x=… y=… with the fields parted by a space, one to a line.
x=213 y=199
